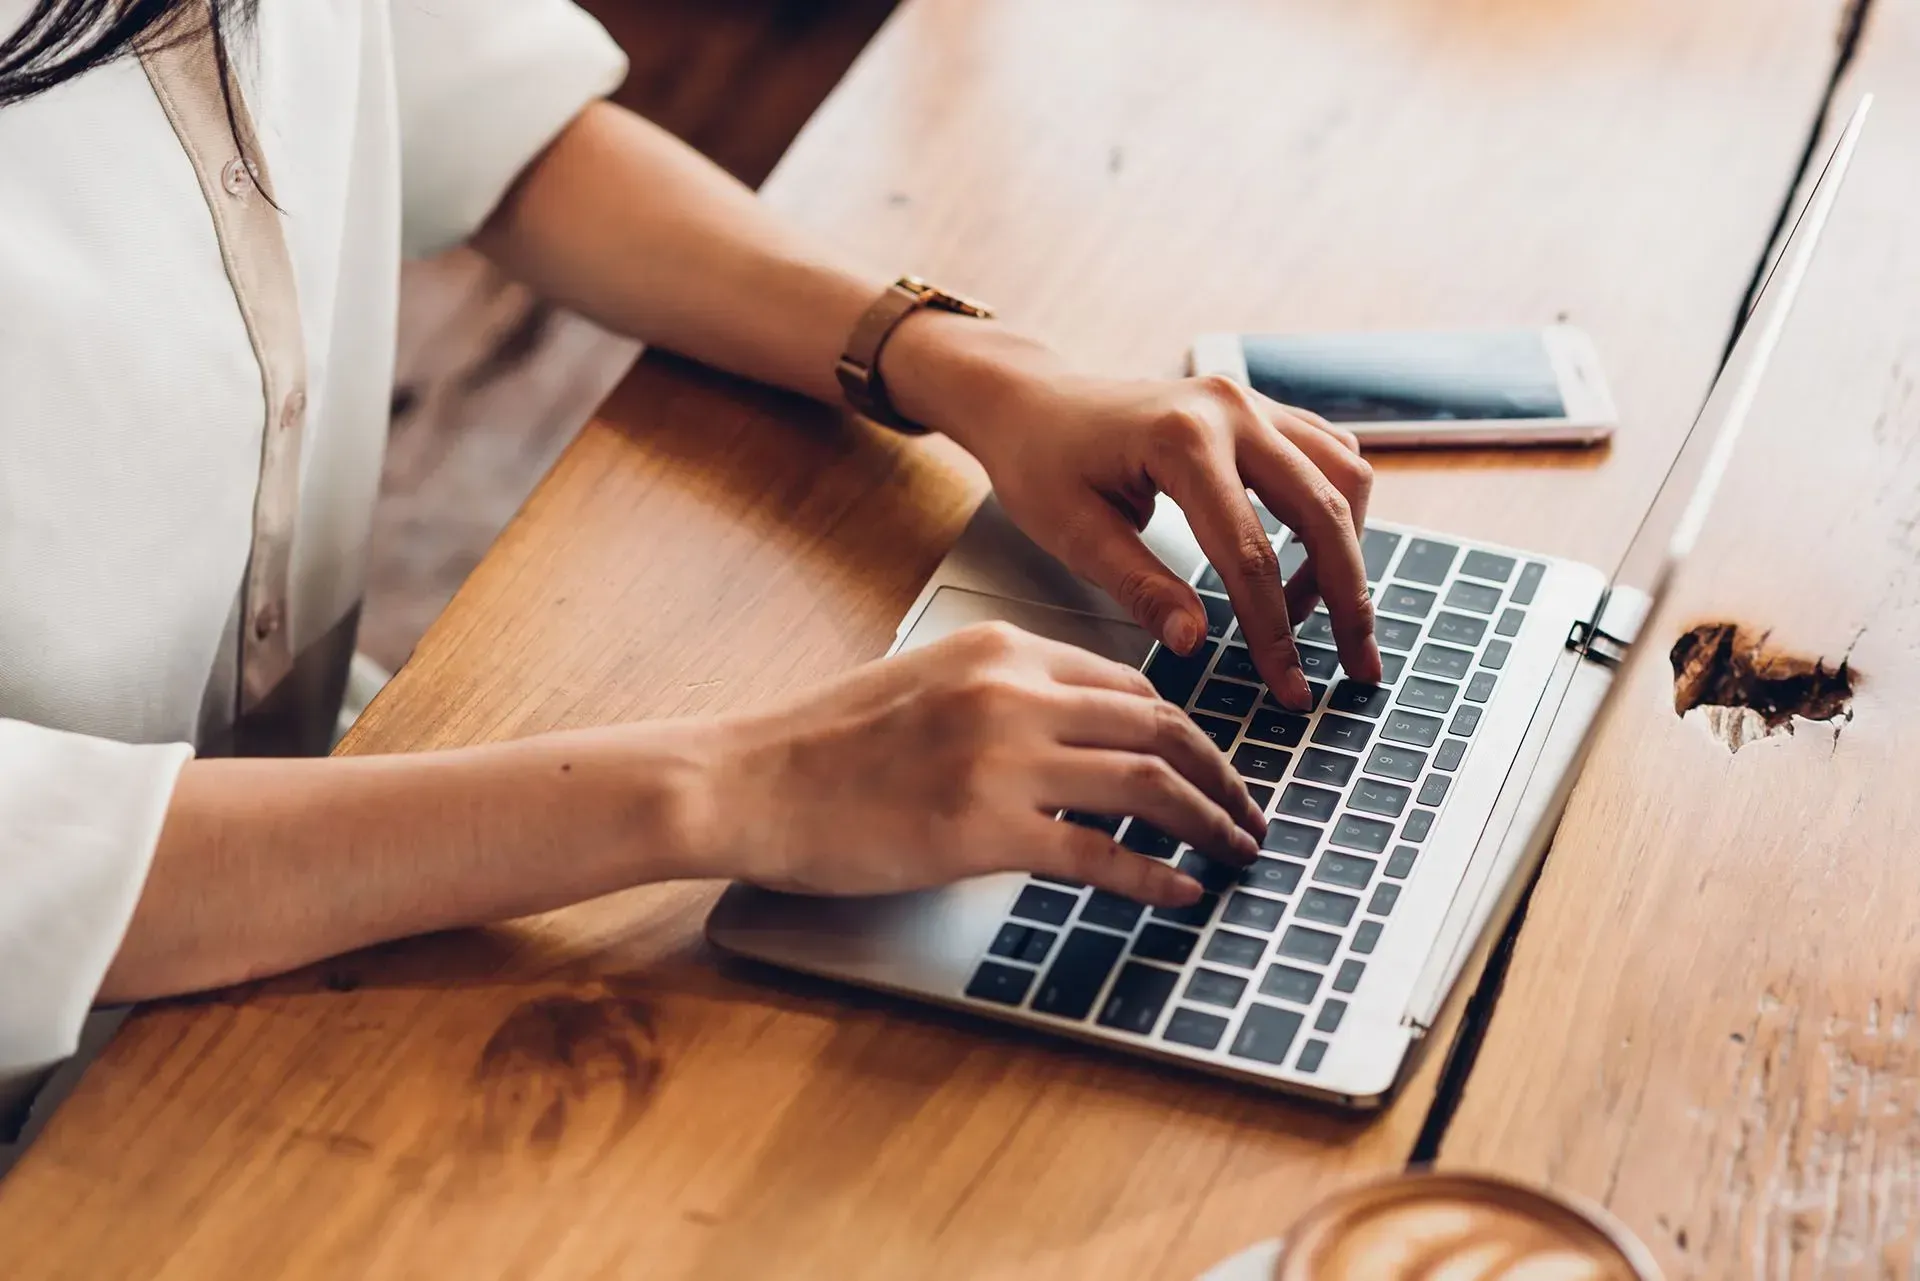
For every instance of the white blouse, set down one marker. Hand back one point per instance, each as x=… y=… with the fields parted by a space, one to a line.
x=195 y=368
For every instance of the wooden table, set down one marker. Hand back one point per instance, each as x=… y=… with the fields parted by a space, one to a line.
x=1693 y=1026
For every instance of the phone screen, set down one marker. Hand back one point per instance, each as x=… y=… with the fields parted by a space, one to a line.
x=1408 y=377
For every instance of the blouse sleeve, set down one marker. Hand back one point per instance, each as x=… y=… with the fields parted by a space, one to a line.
x=484 y=86
x=79 y=819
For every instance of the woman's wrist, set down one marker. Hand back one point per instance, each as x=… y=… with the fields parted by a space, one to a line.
x=963 y=376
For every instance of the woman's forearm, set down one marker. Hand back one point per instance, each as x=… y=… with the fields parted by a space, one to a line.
x=264 y=865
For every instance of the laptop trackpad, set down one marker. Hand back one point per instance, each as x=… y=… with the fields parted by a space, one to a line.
x=953 y=608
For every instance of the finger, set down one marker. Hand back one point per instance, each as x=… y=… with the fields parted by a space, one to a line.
x=1300 y=494
x=1203 y=480
x=1339 y=462
x=1303 y=593
x=1082 y=854
x=1099 y=719
x=1346 y=437
x=1106 y=781
x=1104 y=546
x=1071 y=665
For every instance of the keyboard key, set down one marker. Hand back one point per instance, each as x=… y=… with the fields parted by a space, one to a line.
x=1261 y=793
x=1210 y=581
x=1368 y=834
x=1480 y=688
x=1237 y=663
x=1327 y=907
x=1390 y=760
x=1242 y=950
x=1318 y=628
x=1137 y=998
x=1111 y=911
x=1038 y=903
x=1268 y=521
x=1316 y=690
x=1144 y=838
x=1311 y=1055
x=1164 y=943
x=1301 y=801
x=1328 y=1020
x=1428 y=695
x=1376 y=796
x=1436 y=660
x=1385 y=895
x=1266 y=1034
x=1107 y=823
x=1176 y=676
x=1196 y=913
x=1495 y=656
x=1464 y=721
x=1473 y=596
x=1529 y=583
x=1403 y=726
x=1256 y=760
x=1349 y=976
x=1433 y=789
x=1510 y=620
x=1211 y=875
x=1274 y=875
x=1211 y=987
x=1010 y=940
x=1343 y=732
x=1296 y=839
x=1292 y=554
x=1398 y=598
x=1365 y=938
x=1001 y=984
x=1427 y=561
x=1078 y=972
x=1253 y=912
x=1303 y=944
x=1319 y=664
x=1195 y=1028
x=1362 y=700
x=1395 y=633
x=1448 y=757
x=1058 y=880
x=1285 y=983
x=1273 y=726
x=1219 y=615
x=1320 y=766
x=1376 y=549
x=1227 y=698
x=1402 y=862
x=1458 y=629
x=1488 y=565
x=1348 y=870
x=1390 y=666
x=1220 y=732
x=1418 y=824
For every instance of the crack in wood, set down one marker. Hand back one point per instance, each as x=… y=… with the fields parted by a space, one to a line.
x=1749 y=690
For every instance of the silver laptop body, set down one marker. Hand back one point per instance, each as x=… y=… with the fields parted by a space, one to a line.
x=1320 y=970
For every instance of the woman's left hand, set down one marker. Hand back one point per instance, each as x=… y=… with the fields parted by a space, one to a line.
x=1077 y=461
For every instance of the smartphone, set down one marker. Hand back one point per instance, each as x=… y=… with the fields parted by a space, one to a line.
x=1444 y=387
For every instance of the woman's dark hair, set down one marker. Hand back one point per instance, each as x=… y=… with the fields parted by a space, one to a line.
x=62 y=39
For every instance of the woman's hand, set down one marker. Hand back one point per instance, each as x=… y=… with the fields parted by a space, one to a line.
x=950 y=762
x=1077 y=461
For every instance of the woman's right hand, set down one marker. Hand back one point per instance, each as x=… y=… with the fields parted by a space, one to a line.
x=950 y=762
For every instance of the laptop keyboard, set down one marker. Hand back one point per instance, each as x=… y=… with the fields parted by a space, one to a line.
x=1265 y=964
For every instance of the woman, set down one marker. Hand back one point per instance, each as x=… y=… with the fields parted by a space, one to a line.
x=200 y=226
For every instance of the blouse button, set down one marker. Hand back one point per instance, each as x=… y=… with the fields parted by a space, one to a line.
x=267 y=621
x=294 y=411
x=236 y=177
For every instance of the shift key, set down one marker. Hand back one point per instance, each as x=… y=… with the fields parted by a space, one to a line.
x=1078 y=973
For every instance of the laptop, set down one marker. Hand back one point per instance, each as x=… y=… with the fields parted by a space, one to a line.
x=1405 y=819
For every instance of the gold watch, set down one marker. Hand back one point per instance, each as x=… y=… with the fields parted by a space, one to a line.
x=859 y=365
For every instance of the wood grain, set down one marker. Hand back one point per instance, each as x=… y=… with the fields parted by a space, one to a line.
x=589 y=1094
x=1711 y=1018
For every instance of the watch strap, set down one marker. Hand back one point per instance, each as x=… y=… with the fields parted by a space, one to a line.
x=859 y=366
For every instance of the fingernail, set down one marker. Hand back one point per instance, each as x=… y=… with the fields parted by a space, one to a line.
x=1294 y=692
x=1186 y=888
x=1184 y=634
x=1245 y=846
